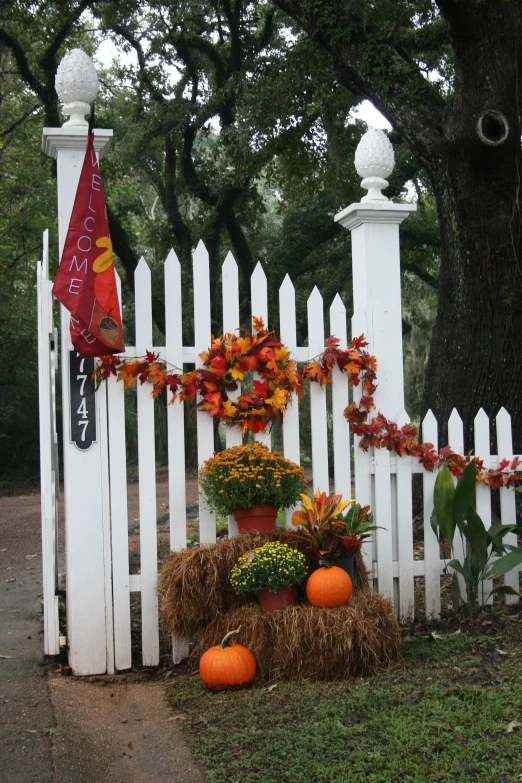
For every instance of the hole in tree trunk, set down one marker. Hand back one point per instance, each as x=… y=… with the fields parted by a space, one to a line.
x=492 y=128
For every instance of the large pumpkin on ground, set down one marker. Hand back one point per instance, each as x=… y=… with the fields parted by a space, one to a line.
x=329 y=586
x=227 y=666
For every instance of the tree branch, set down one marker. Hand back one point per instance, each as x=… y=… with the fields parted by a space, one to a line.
x=367 y=64
x=24 y=116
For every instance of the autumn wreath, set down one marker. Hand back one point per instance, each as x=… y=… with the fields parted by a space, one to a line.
x=225 y=365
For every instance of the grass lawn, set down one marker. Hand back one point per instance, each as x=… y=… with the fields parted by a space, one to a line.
x=447 y=712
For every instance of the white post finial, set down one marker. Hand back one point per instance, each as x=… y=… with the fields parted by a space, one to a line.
x=374 y=160
x=76 y=85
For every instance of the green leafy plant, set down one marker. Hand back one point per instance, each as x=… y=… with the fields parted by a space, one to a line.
x=272 y=566
x=327 y=533
x=248 y=476
x=453 y=511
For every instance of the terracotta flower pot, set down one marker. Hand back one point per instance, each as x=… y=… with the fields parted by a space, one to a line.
x=260 y=519
x=281 y=599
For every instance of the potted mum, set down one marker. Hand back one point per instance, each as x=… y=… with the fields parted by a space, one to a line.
x=327 y=534
x=273 y=571
x=253 y=483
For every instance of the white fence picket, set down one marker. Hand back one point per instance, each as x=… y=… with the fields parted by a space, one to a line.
x=340 y=429
x=383 y=515
x=259 y=297
x=106 y=529
x=230 y=293
x=456 y=442
x=175 y=425
x=175 y=410
x=147 y=476
x=432 y=602
x=508 y=510
x=483 y=492
x=205 y=423
x=404 y=532
x=119 y=520
x=318 y=395
x=47 y=479
x=119 y=524
x=288 y=336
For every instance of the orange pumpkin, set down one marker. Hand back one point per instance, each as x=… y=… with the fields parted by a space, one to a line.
x=225 y=666
x=329 y=586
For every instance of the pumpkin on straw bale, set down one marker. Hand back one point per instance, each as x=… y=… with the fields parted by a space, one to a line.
x=194 y=585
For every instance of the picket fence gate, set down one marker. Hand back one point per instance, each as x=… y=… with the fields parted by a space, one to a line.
x=381 y=479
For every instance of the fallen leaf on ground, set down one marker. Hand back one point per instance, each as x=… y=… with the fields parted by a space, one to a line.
x=503 y=652
x=5 y=656
x=180 y=716
x=510 y=727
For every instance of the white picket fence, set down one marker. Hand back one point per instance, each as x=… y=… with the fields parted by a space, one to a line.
x=381 y=479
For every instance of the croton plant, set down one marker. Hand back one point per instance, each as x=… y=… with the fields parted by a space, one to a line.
x=325 y=531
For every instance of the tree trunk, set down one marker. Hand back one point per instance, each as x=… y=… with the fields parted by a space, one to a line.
x=476 y=347
x=476 y=350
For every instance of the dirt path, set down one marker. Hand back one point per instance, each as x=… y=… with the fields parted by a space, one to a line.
x=61 y=730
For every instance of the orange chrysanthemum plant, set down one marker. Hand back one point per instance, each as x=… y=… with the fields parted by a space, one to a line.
x=327 y=533
x=250 y=475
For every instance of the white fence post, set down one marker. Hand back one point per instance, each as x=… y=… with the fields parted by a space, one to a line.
x=374 y=224
x=86 y=519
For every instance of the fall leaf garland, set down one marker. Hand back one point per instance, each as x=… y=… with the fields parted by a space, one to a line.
x=231 y=356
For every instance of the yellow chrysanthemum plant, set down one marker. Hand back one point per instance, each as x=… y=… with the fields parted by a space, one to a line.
x=250 y=475
x=273 y=566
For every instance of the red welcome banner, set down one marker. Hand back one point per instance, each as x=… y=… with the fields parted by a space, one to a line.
x=86 y=282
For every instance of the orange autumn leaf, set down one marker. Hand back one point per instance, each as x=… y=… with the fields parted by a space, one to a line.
x=257 y=324
x=281 y=354
x=230 y=410
x=278 y=399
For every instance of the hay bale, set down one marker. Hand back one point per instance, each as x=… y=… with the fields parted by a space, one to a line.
x=194 y=585
x=307 y=643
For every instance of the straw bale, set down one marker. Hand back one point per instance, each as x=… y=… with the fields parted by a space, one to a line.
x=194 y=585
x=307 y=643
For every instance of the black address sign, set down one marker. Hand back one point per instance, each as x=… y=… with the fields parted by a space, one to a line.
x=83 y=402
